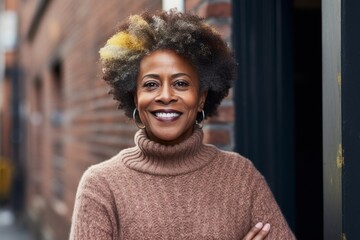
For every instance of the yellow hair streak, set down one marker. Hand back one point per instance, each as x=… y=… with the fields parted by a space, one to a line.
x=138 y=21
x=127 y=41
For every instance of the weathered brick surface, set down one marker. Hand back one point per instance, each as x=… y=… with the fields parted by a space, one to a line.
x=192 y=5
x=6 y=112
x=219 y=136
x=215 y=9
x=218 y=14
x=92 y=129
x=5 y=121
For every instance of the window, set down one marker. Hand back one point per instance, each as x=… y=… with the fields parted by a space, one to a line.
x=169 y=4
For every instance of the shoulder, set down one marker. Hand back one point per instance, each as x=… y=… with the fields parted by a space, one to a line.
x=240 y=168
x=232 y=156
x=108 y=168
x=231 y=162
x=101 y=175
x=235 y=160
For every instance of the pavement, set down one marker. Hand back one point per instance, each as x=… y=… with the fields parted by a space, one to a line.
x=10 y=229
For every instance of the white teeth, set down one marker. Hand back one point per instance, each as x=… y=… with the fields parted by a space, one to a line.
x=166 y=115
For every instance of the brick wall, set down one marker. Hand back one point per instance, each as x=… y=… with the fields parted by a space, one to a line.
x=219 y=129
x=5 y=121
x=71 y=120
x=8 y=59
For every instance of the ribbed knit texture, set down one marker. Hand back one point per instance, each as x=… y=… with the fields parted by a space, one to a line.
x=186 y=191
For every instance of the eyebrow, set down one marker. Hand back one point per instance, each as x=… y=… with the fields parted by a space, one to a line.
x=151 y=75
x=157 y=76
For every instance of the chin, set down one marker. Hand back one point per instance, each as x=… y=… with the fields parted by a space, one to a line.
x=170 y=139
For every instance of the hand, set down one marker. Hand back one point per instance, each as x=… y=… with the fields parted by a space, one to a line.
x=258 y=232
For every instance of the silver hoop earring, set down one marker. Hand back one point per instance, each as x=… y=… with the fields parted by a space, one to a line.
x=136 y=123
x=201 y=123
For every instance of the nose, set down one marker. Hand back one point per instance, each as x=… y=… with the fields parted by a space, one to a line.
x=166 y=95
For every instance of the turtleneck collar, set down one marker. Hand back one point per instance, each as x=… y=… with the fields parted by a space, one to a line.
x=154 y=158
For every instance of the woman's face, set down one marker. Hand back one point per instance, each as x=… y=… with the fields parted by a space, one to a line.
x=168 y=96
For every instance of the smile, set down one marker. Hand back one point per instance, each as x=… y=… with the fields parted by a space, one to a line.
x=167 y=116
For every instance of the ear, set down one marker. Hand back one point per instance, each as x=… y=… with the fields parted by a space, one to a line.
x=202 y=100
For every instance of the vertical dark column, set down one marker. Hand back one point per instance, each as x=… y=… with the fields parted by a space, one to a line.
x=308 y=120
x=16 y=142
x=262 y=40
x=350 y=96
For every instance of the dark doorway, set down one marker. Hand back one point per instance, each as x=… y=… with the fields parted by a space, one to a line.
x=278 y=98
x=308 y=119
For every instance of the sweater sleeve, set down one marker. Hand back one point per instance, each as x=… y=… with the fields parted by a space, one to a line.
x=265 y=210
x=93 y=216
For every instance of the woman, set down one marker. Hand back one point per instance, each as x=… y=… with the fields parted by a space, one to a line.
x=169 y=71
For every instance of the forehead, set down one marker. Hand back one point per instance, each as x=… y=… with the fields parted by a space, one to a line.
x=166 y=60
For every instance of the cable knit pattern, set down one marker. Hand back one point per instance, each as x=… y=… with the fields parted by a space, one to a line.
x=187 y=191
x=154 y=158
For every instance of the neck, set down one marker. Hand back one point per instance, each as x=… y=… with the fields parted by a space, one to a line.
x=155 y=158
x=178 y=140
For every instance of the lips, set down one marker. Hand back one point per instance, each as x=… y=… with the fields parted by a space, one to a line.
x=166 y=115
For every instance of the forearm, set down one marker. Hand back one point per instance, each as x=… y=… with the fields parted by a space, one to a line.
x=266 y=210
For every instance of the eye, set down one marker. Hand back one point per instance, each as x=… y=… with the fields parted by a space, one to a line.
x=181 y=84
x=150 y=85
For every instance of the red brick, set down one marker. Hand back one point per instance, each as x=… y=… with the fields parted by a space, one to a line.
x=225 y=115
x=219 y=138
x=224 y=30
x=192 y=5
x=73 y=32
x=217 y=10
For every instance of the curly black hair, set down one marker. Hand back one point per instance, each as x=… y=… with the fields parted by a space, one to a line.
x=186 y=34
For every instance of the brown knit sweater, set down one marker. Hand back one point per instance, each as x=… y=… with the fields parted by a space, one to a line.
x=186 y=191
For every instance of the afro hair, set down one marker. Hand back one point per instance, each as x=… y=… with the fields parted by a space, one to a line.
x=186 y=34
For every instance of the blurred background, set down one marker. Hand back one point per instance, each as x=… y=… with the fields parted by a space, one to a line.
x=57 y=119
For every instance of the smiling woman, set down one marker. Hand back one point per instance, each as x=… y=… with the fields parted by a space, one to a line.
x=168 y=97
x=169 y=71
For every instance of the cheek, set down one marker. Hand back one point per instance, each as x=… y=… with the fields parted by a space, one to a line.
x=142 y=101
x=193 y=102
